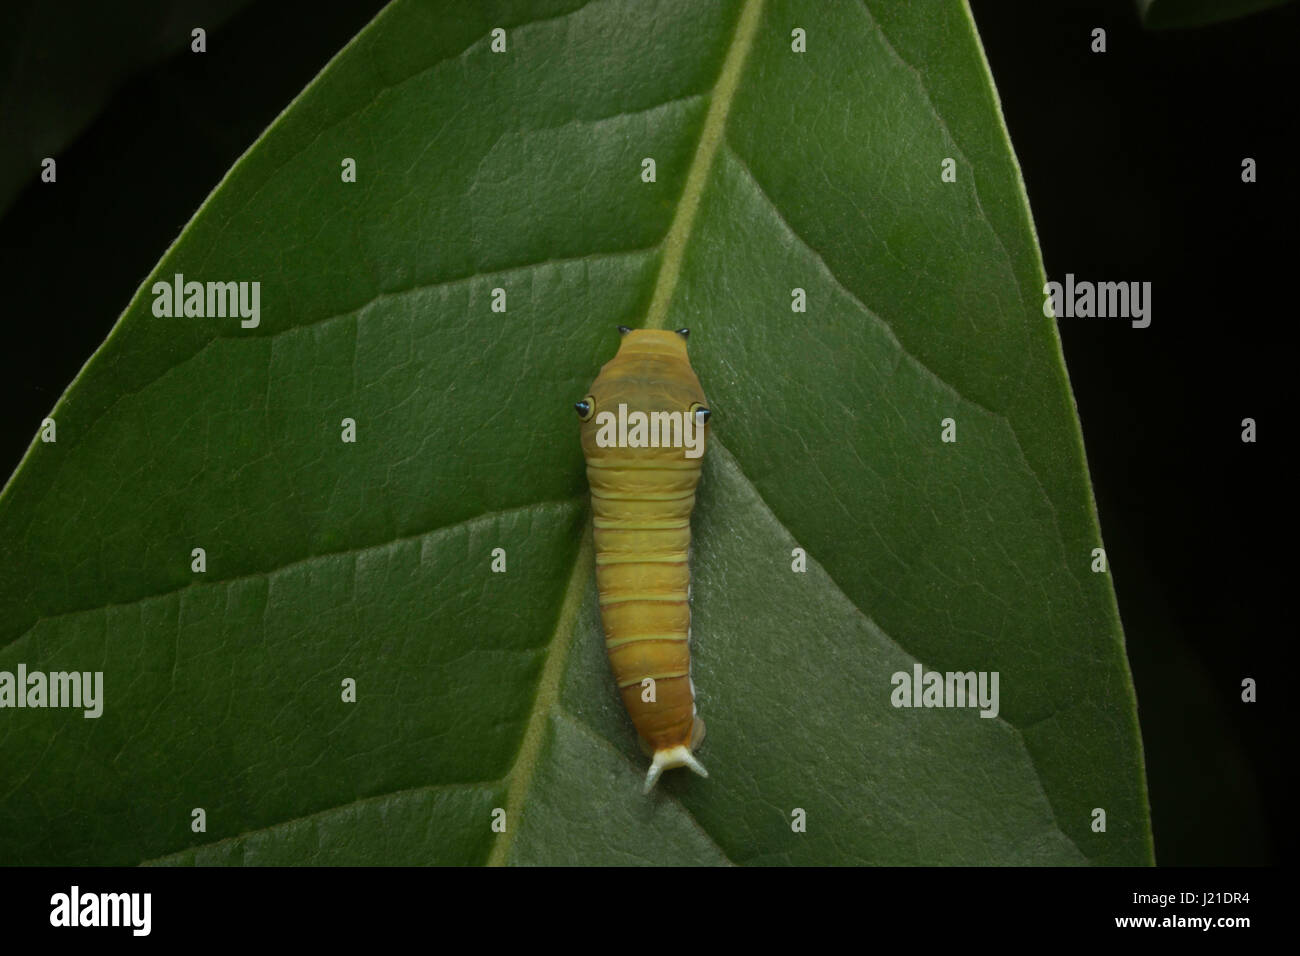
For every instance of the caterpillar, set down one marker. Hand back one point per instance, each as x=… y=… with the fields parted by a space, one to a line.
x=642 y=494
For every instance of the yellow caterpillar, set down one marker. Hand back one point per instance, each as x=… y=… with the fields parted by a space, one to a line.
x=642 y=494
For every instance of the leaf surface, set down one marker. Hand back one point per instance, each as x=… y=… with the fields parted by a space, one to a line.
x=328 y=560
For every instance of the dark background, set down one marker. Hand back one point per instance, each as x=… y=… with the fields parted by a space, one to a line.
x=1132 y=162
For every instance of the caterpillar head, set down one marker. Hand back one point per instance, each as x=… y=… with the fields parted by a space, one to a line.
x=650 y=374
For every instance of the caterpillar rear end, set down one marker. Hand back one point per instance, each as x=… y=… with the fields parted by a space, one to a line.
x=644 y=431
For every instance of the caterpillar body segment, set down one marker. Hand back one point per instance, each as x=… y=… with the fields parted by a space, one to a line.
x=642 y=499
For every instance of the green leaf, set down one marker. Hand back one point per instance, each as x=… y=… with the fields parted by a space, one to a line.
x=328 y=560
x=1172 y=14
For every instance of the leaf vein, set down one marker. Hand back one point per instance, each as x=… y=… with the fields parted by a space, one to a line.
x=267 y=572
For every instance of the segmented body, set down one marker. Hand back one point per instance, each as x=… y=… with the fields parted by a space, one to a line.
x=642 y=500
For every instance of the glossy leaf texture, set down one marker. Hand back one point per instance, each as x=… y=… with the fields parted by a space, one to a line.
x=371 y=560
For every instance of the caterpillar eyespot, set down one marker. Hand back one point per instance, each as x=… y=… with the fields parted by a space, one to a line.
x=642 y=496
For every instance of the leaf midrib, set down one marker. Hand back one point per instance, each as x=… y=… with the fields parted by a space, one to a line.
x=674 y=247
x=547 y=704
